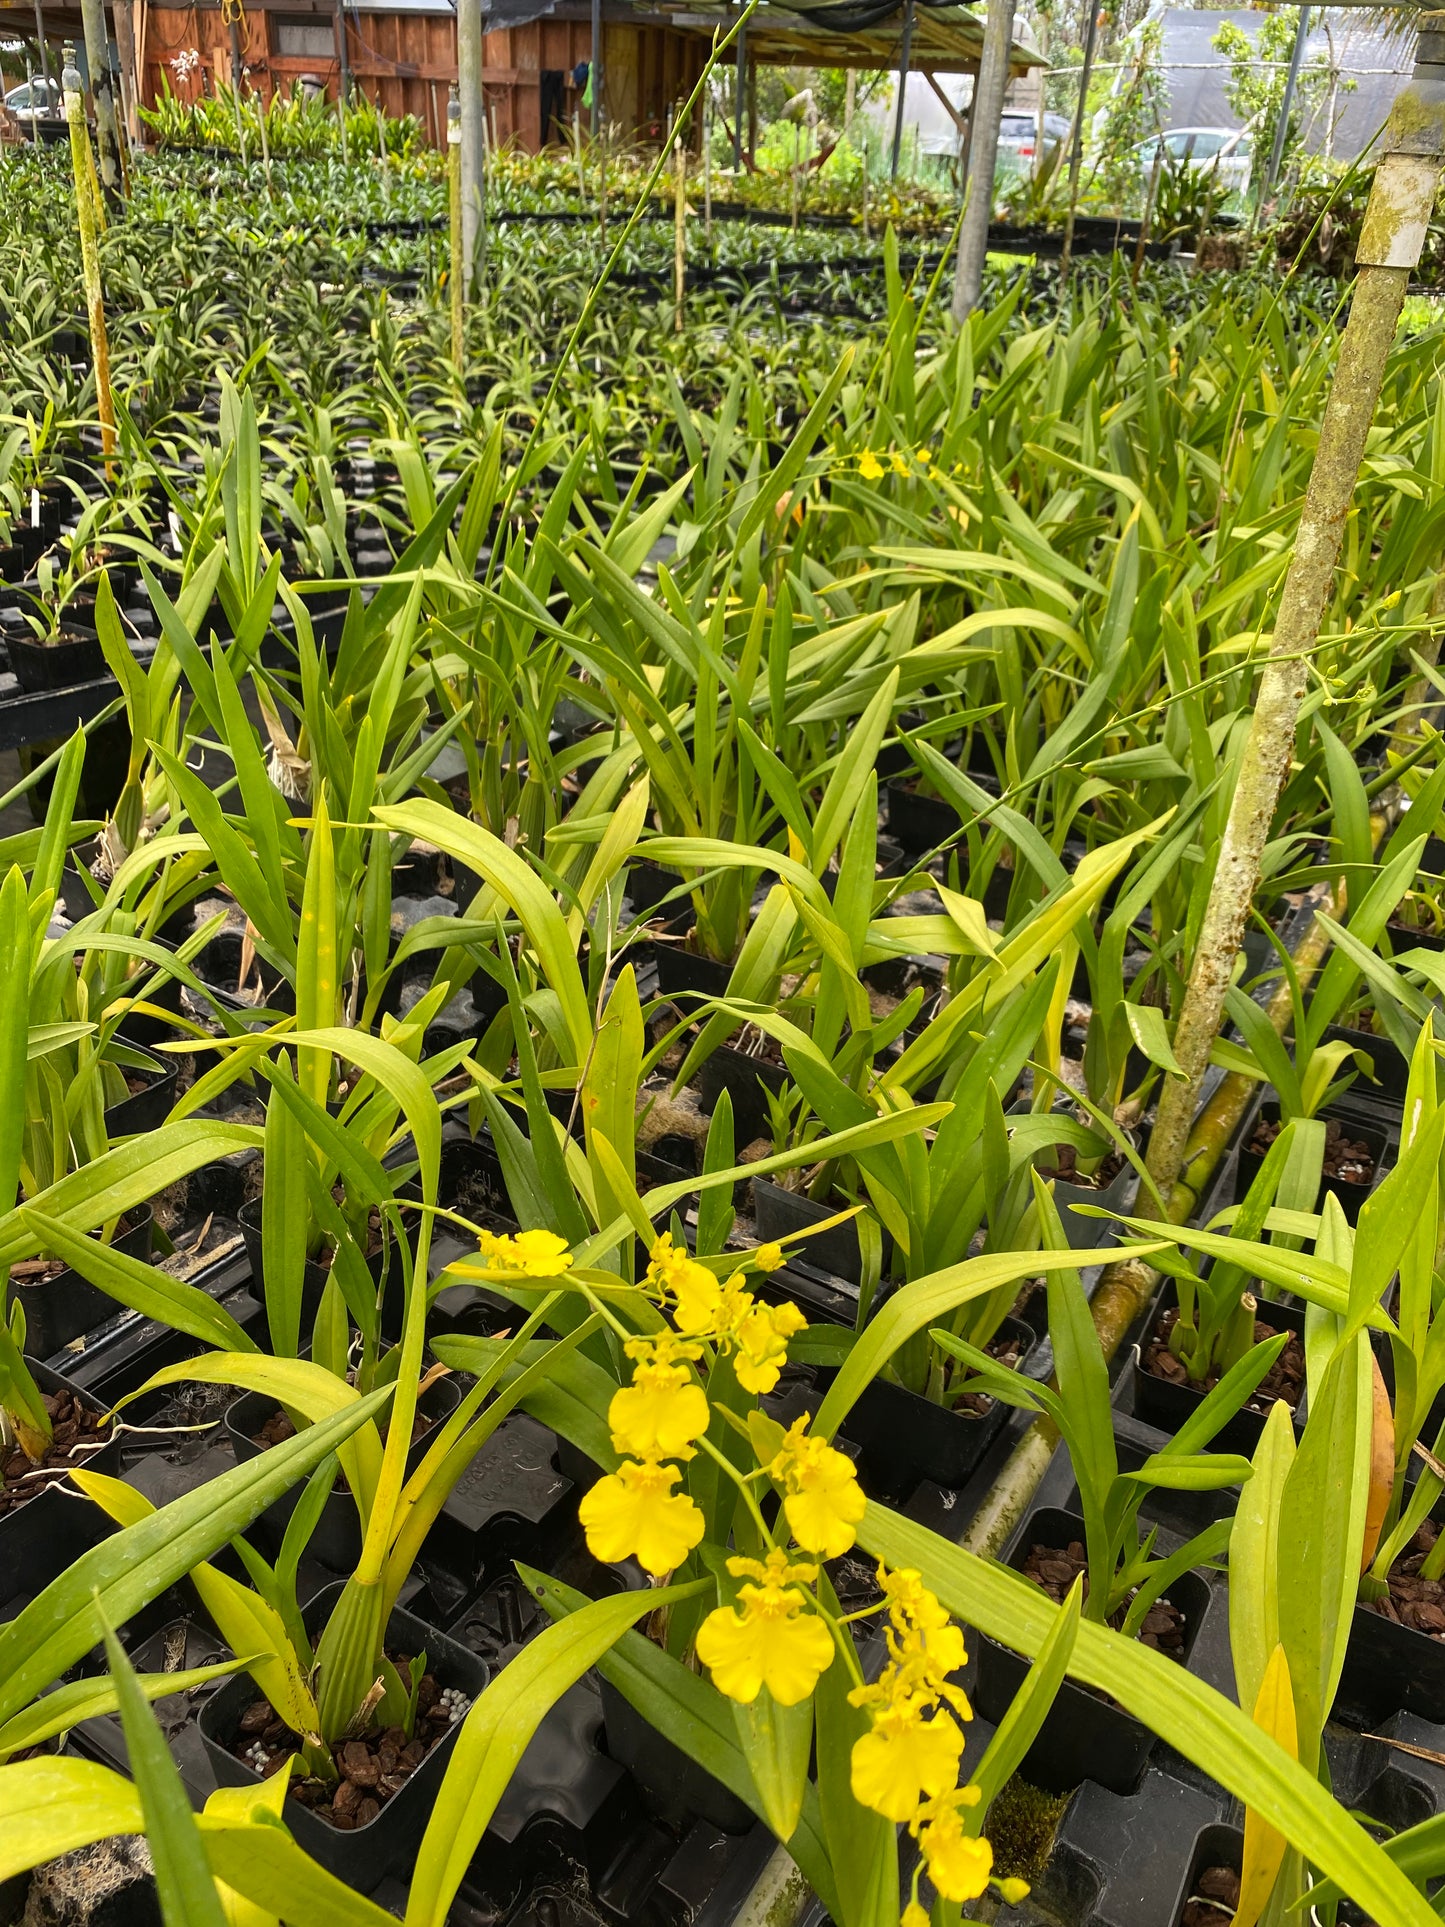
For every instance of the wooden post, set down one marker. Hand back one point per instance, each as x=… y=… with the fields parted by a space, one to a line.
x=984 y=117
x=129 y=76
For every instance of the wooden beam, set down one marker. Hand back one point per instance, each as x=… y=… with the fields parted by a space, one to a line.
x=959 y=120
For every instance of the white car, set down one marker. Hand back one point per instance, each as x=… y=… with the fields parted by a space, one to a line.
x=1226 y=153
x=36 y=99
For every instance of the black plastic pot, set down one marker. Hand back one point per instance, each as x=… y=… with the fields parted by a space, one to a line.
x=917 y=822
x=1084 y=1736
x=1085 y=1233
x=72 y=659
x=362 y=1857
x=904 y=1438
x=1351 y=1196
x=680 y=1789
x=336 y=1542
x=747 y=1081
x=23 y=1546
x=1392 y=1068
x=148 y=1108
x=1162 y=1403
x=66 y=1306
x=316 y=1275
x=779 y=1213
x=1391 y=1668
x=680 y=973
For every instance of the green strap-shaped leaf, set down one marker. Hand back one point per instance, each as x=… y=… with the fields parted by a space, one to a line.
x=49 y=1807
x=517 y=884
x=89 y=1699
x=132 y=1567
x=1194 y=1719
x=185 y=1885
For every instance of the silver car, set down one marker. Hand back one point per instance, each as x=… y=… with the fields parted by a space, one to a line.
x=1225 y=152
x=1018 y=139
x=37 y=99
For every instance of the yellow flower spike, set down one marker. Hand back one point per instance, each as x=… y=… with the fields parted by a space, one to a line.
x=769 y=1639
x=904 y=1760
x=870 y=468
x=634 y=1511
x=901 y=463
x=909 y=1600
x=762 y=1339
x=959 y=1864
x=659 y=1414
x=697 y=1298
x=924 y=455
x=822 y=1499
x=1013 y=1891
x=533 y=1254
x=769 y=1257
x=777 y=1569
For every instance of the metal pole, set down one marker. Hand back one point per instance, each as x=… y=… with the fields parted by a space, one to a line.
x=1281 y=128
x=44 y=61
x=985 y=115
x=1076 y=138
x=102 y=93
x=456 y=277
x=469 y=95
x=903 y=61
x=596 y=74
x=739 y=88
x=1397 y=216
x=34 y=109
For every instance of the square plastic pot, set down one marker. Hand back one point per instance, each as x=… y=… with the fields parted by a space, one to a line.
x=67 y=1306
x=365 y=1855
x=904 y=1438
x=1084 y=1736
x=1351 y=1196
x=1161 y=1402
x=336 y=1542
x=780 y=1213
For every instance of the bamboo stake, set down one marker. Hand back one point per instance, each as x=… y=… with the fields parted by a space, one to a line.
x=1400 y=205
x=456 y=274
x=679 y=224
x=87 y=194
x=1126 y=1288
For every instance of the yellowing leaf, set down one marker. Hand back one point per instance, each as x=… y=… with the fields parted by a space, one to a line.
x=1264 y=1845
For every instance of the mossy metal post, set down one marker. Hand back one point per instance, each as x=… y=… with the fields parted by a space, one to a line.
x=86 y=197
x=102 y=92
x=456 y=272
x=1396 y=218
